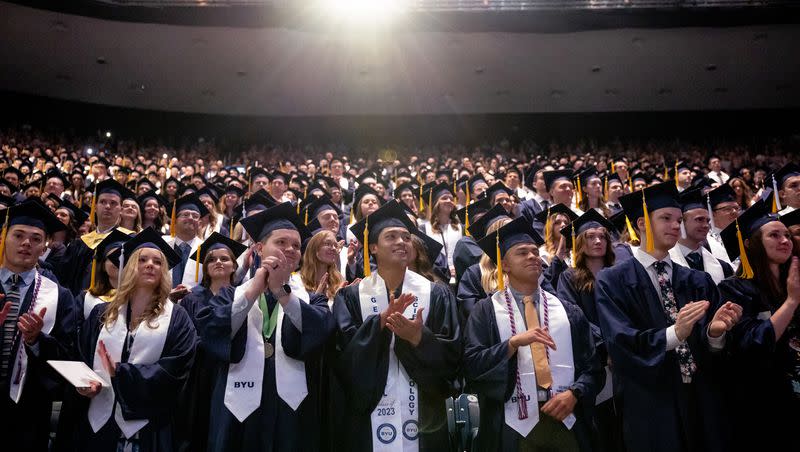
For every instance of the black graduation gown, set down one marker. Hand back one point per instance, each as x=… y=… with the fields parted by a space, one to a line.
x=363 y=366
x=765 y=408
x=147 y=391
x=465 y=254
x=607 y=419
x=470 y=291
x=26 y=425
x=492 y=374
x=77 y=269
x=622 y=252
x=553 y=272
x=193 y=410
x=660 y=412
x=274 y=426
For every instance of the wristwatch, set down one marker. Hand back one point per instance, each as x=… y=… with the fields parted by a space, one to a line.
x=284 y=290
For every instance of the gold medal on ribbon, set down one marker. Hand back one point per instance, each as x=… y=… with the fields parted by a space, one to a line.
x=269 y=350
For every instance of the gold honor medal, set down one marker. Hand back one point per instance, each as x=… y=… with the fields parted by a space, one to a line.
x=269 y=350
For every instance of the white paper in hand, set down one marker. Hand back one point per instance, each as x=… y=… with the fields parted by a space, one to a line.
x=76 y=372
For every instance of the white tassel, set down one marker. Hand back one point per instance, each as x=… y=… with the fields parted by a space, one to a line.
x=775 y=191
x=683 y=230
x=121 y=267
x=710 y=213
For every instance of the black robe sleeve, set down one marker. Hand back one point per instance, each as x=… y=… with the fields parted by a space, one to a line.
x=470 y=291
x=318 y=325
x=149 y=391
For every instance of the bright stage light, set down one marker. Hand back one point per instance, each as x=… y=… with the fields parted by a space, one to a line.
x=364 y=11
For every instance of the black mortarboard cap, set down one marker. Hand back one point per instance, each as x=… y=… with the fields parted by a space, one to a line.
x=541 y=217
x=33 y=213
x=657 y=197
x=479 y=227
x=215 y=241
x=517 y=231
x=550 y=177
x=282 y=216
x=589 y=220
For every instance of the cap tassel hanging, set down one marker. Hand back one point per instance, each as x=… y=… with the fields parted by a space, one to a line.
x=747 y=270
x=630 y=183
x=776 y=203
x=579 y=192
x=710 y=212
x=197 y=264
x=93 y=208
x=367 y=269
x=172 y=220
x=305 y=217
x=547 y=222
x=676 y=177
x=574 y=247
x=351 y=214
x=230 y=229
x=421 y=204
x=605 y=190
x=501 y=284
x=466 y=215
x=631 y=231
x=648 y=228
x=94 y=270
x=3 y=236
x=683 y=230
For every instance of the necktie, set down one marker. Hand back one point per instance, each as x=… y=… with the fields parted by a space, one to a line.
x=694 y=260
x=9 y=326
x=540 y=364
x=545 y=204
x=685 y=359
x=177 y=271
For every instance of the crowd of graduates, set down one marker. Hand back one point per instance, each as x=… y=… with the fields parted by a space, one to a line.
x=563 y=300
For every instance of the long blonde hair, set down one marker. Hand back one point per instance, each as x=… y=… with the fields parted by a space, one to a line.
x=487 y=266
x=130 y=279
x=308 y=271
x=433 y=218
x=550 y=244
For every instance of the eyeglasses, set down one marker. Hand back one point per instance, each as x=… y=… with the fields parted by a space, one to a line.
x=729 y=209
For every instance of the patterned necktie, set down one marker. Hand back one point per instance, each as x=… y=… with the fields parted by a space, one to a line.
x=695 y=261
x=9 y=326
x=177 y=271
x=685 y=359
x=540 y=364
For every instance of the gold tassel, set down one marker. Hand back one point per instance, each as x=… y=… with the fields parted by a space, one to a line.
x=631 y=231
x=747 y=270
x=93 y=209
x=298 y=207
x=630 y=183
x=605 y=190
x=501 y=284
x=676 y=175
x=3 y=235
x=648 y=228
x=547 y=223
x=613 y=167
x=466 y=215
x=574 y=247
x=172 y=220
x=774 y=202
x=94 y=270
x=230 y=229
x=421 y=204
x=351 y=213
x=367 y=269
x=430 y=202
x=579 y=192
x=197 y=264
x=305 y=218
x=666 y=172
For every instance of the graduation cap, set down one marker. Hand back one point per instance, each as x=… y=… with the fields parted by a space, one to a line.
x=650 y=199
x=550 y=177
x=621 y=223
x=315 y=190
x=78 y=214
x=366 y=175
x=791 y=219
x=172 y=180
x=479 y=227
x=213 y=242
x=702 y=182
x=544 y=216
x=329 y=182
x=56 y=174
x=717 y=196
x=582 y=179
x=369 y=228
x=313 y=209
x=147 y=238
x=496 y=244
x=470 y=213
x=29 y=213
x=432 y=247
x=187 y=202
x=235 y=190
x=6 y=201
x=144 y=181
x=474 y=181
x=437 y=191
x=210 y=192
x=282 y=216
x=497 y=187
x=741 y=229
x=642 y=176
x=413 y=187
x=150 y=194
x=589 y=220
x=778 y=179
x=361 y=191
x=13 y=169
x=11 y=187
x=100 y=160
x=692 y=199
x=112 y=242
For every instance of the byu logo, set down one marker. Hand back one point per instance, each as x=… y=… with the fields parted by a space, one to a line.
x=410 y=430
x=386 y=433
x=243 y=384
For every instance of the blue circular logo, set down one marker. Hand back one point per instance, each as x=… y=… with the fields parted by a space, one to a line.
x=386 y=433
x=411 y=430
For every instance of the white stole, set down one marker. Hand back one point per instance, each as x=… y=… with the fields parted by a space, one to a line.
x=148 y=345
x=710 y=263
x=89 y=302
x=245 y=381
x=398 y=410
x=343 y=260
x=717 y=247
x=46 y=298
x=562 y=366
